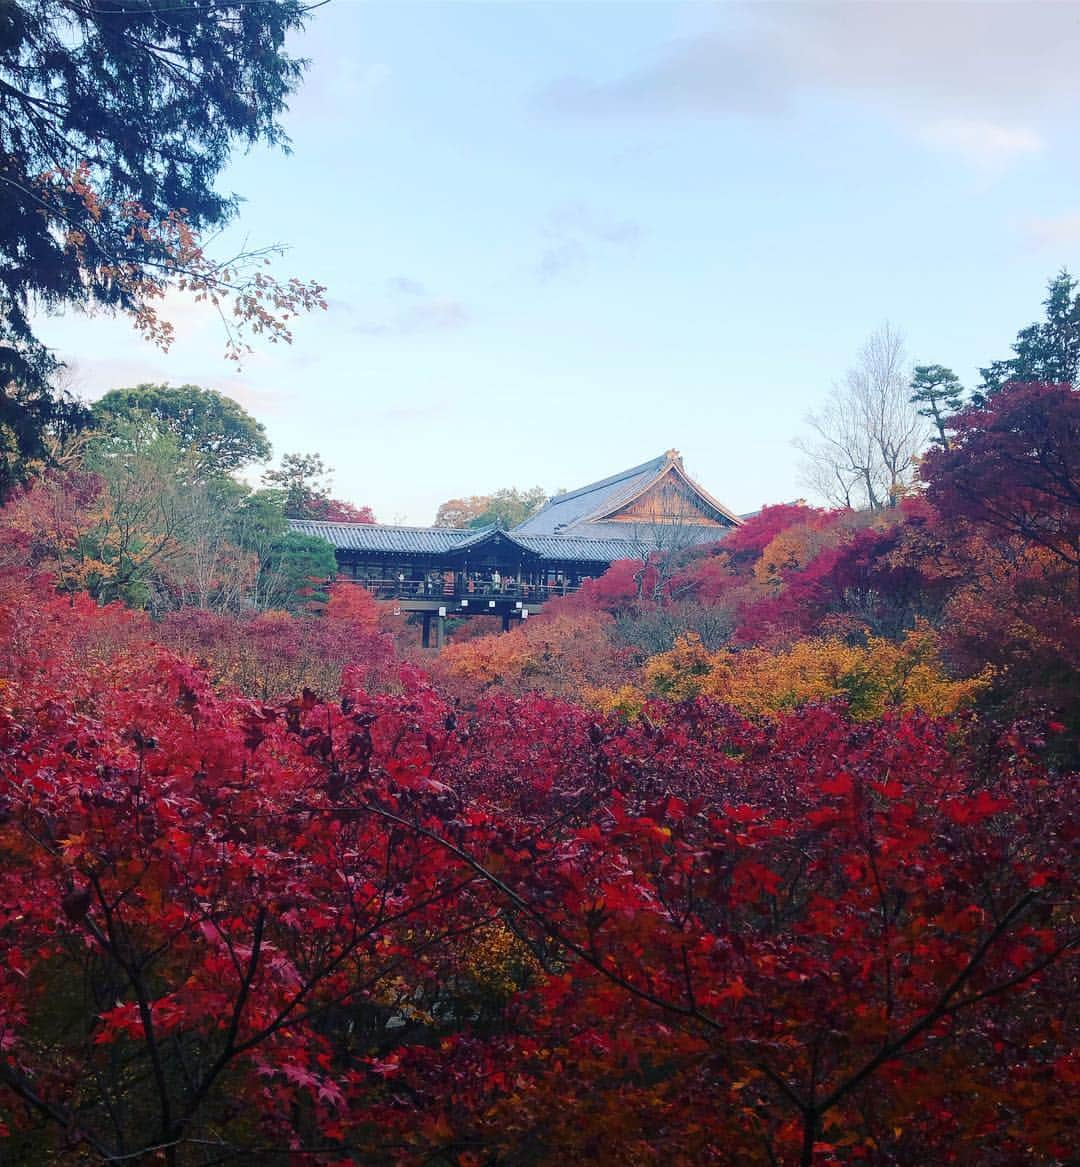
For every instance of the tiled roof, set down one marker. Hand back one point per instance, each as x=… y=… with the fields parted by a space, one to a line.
x=576 y=549
x=575 y=506
x=583 y=511
x=379 y=537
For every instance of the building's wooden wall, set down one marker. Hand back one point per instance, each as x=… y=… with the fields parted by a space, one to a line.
x=667 y=502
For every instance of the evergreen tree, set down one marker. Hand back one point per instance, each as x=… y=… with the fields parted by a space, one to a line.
x=115 y=121
x=936 y=393
x=1048 y=351
x=219 y=435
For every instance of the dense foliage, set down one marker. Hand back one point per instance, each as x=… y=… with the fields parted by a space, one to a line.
x=762 y=853
x=385 y=930
x=217 y=434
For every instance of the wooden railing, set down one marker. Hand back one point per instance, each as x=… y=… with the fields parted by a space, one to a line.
x=394 y=589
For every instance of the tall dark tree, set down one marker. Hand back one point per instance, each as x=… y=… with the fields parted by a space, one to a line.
x=33 y=417
x=1048 y=351
x=116 y=117
x=936 y=393
x=213 y=430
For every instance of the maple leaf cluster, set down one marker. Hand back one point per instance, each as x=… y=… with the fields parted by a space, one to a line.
x=393 y=929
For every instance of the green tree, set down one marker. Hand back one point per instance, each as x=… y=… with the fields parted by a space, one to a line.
x=510 y=506
x=142 y=522
x=216 y=433
x=294 y=572
x=1047 y=351
x=115 y=122
x=291 y=566
x=259 y=521
x=303 y=481
x=936 y=393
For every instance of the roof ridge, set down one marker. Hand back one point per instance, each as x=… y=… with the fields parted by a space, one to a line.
x=601 y=482
x=393 y=526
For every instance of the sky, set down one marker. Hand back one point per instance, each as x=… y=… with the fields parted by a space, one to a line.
x=561 y=238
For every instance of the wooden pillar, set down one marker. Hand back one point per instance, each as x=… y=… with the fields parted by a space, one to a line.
x=440 y=631
x=425 y=636
x=506 y=621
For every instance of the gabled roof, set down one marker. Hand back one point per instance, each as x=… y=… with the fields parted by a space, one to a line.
x=582 y=512
x=575 y=506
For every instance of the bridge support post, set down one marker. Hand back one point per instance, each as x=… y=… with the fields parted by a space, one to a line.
x=506 y=621
x=425 y=635
x=440 y=630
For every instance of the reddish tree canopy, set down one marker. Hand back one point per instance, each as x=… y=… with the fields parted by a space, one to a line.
x=1014 y=464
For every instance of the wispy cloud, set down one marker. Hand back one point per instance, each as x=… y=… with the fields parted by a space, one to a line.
x=409 y=414
x=575 y=234
x=91 y=377
x=974 y=78
x=708 y=76
x=347 y=91
x=412 y=308
x=406 y=286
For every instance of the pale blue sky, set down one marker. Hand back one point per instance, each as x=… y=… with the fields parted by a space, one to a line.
x=562 y=238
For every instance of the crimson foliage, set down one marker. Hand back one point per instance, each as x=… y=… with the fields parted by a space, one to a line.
x=385 y=930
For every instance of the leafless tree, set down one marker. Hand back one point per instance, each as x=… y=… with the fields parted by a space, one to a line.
x=665 y=532
x=864 y=441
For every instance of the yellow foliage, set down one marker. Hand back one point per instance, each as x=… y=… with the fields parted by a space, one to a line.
x=683 y=671
x=874 y=678
x=499 y=962
x=626 y=700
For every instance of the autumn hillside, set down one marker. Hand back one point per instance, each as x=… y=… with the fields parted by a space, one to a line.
x=762 y=853
x=701 y=838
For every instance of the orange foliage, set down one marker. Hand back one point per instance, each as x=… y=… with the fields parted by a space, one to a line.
x=791 y=550
x=351 y=604
x=559 y=653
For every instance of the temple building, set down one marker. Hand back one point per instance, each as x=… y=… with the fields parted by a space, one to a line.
x=575 y=536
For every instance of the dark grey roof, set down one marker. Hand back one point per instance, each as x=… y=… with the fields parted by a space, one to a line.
x=575 y=506
x=578 y=549
x=379 y=537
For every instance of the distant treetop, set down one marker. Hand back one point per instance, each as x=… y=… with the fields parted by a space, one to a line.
x=216 y=431
x=504 y=508
x=304 y=481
